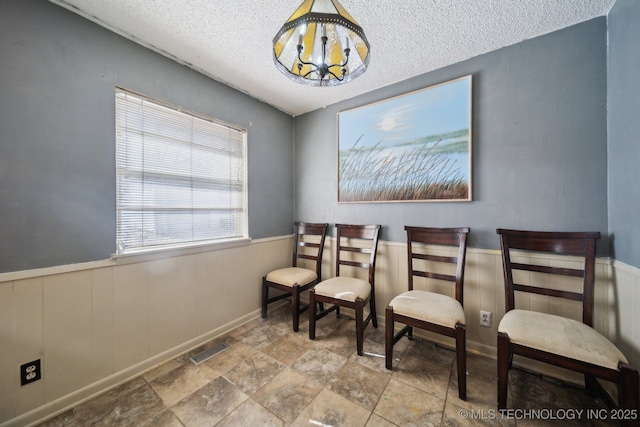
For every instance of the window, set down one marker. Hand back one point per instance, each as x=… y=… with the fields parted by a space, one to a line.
x=180 y=176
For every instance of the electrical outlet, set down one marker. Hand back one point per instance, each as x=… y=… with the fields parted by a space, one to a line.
x=485 y=318
x=30 y=372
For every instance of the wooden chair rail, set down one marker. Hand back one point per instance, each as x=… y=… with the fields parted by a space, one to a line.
x=549 y=292
x=437 y=258
x=572 y=272
x=355 y=264
x=568 y=363
x=355 y=249
x=309 y=244
x=430 y=275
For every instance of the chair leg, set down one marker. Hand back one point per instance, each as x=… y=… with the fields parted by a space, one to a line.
x=359 y=326
x=265 y=297
x=295 y=306
x=591 y=383
x=372 y=307
x=461 y=354
x=628 y=398
x=312 y=314
x=388 y=337
x=504 y=357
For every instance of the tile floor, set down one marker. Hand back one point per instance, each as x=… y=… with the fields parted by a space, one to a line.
x=271 y=376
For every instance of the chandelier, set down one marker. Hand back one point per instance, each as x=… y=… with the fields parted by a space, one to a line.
x=321 y=45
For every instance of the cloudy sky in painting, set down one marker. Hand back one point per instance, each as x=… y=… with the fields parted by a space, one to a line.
x=434 y=110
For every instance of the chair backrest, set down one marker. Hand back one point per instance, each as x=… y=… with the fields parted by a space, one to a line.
x=352 y=240
x=442 y=237
x=576 y=244
x=308 y=243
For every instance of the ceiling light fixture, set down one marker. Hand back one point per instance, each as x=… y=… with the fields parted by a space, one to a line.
x=321 y=45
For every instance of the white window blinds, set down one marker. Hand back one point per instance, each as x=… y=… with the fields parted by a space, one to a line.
x=181 y=177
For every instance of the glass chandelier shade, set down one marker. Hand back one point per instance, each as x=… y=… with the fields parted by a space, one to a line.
x=321 y=45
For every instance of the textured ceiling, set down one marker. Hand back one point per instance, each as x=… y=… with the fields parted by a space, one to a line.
x=231 y=40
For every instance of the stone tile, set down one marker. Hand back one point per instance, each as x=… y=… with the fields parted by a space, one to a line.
x=319 y=364
x=288 y=348
x=481 y=394
x=532 y=391
x=545 y=422
x=455 y=416
x=424 y=375
x=482 y=367
x=331 y=409
x=375 y=334
x=405 y=405
x=332 y=325
x=161 y=370
x=66 y=419
x=282 y=315
x=431 y=352
x=251 y=413
x=132 y=403
x=255 y=372
x=177 y=384
x=288 y=394
x=373 y=356
x=536 y=392
x=376 y=420
x=242 y=329
x=571 y=419
x=262 y=335
x=359 y=384
x=164 y=419
x=399 y=349
x=210 y=404
x=337 y=335
x=232 y=356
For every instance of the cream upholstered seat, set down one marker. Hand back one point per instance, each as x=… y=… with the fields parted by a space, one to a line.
x=356 y=246
x=554 y=339
x=308 y=244
x=429 y=307
x=346 y=288
x=431 y=311
x=560 y=335
x=292 y=276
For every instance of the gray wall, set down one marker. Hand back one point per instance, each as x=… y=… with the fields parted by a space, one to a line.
x=58 y=72
x=624 y=130
x=539 y=144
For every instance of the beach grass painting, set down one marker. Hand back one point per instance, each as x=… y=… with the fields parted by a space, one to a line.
x=414 y=147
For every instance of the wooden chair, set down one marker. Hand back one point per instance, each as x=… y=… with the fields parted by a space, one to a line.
x=346 y=291
x=308 y=244
x=431 y=311
x=554 y=339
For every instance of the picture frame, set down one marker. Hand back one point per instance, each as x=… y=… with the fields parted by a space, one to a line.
x=414 y=147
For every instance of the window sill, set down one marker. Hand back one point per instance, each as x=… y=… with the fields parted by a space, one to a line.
x=149 y=254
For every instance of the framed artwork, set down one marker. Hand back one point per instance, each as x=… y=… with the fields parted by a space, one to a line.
x=413 y=147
